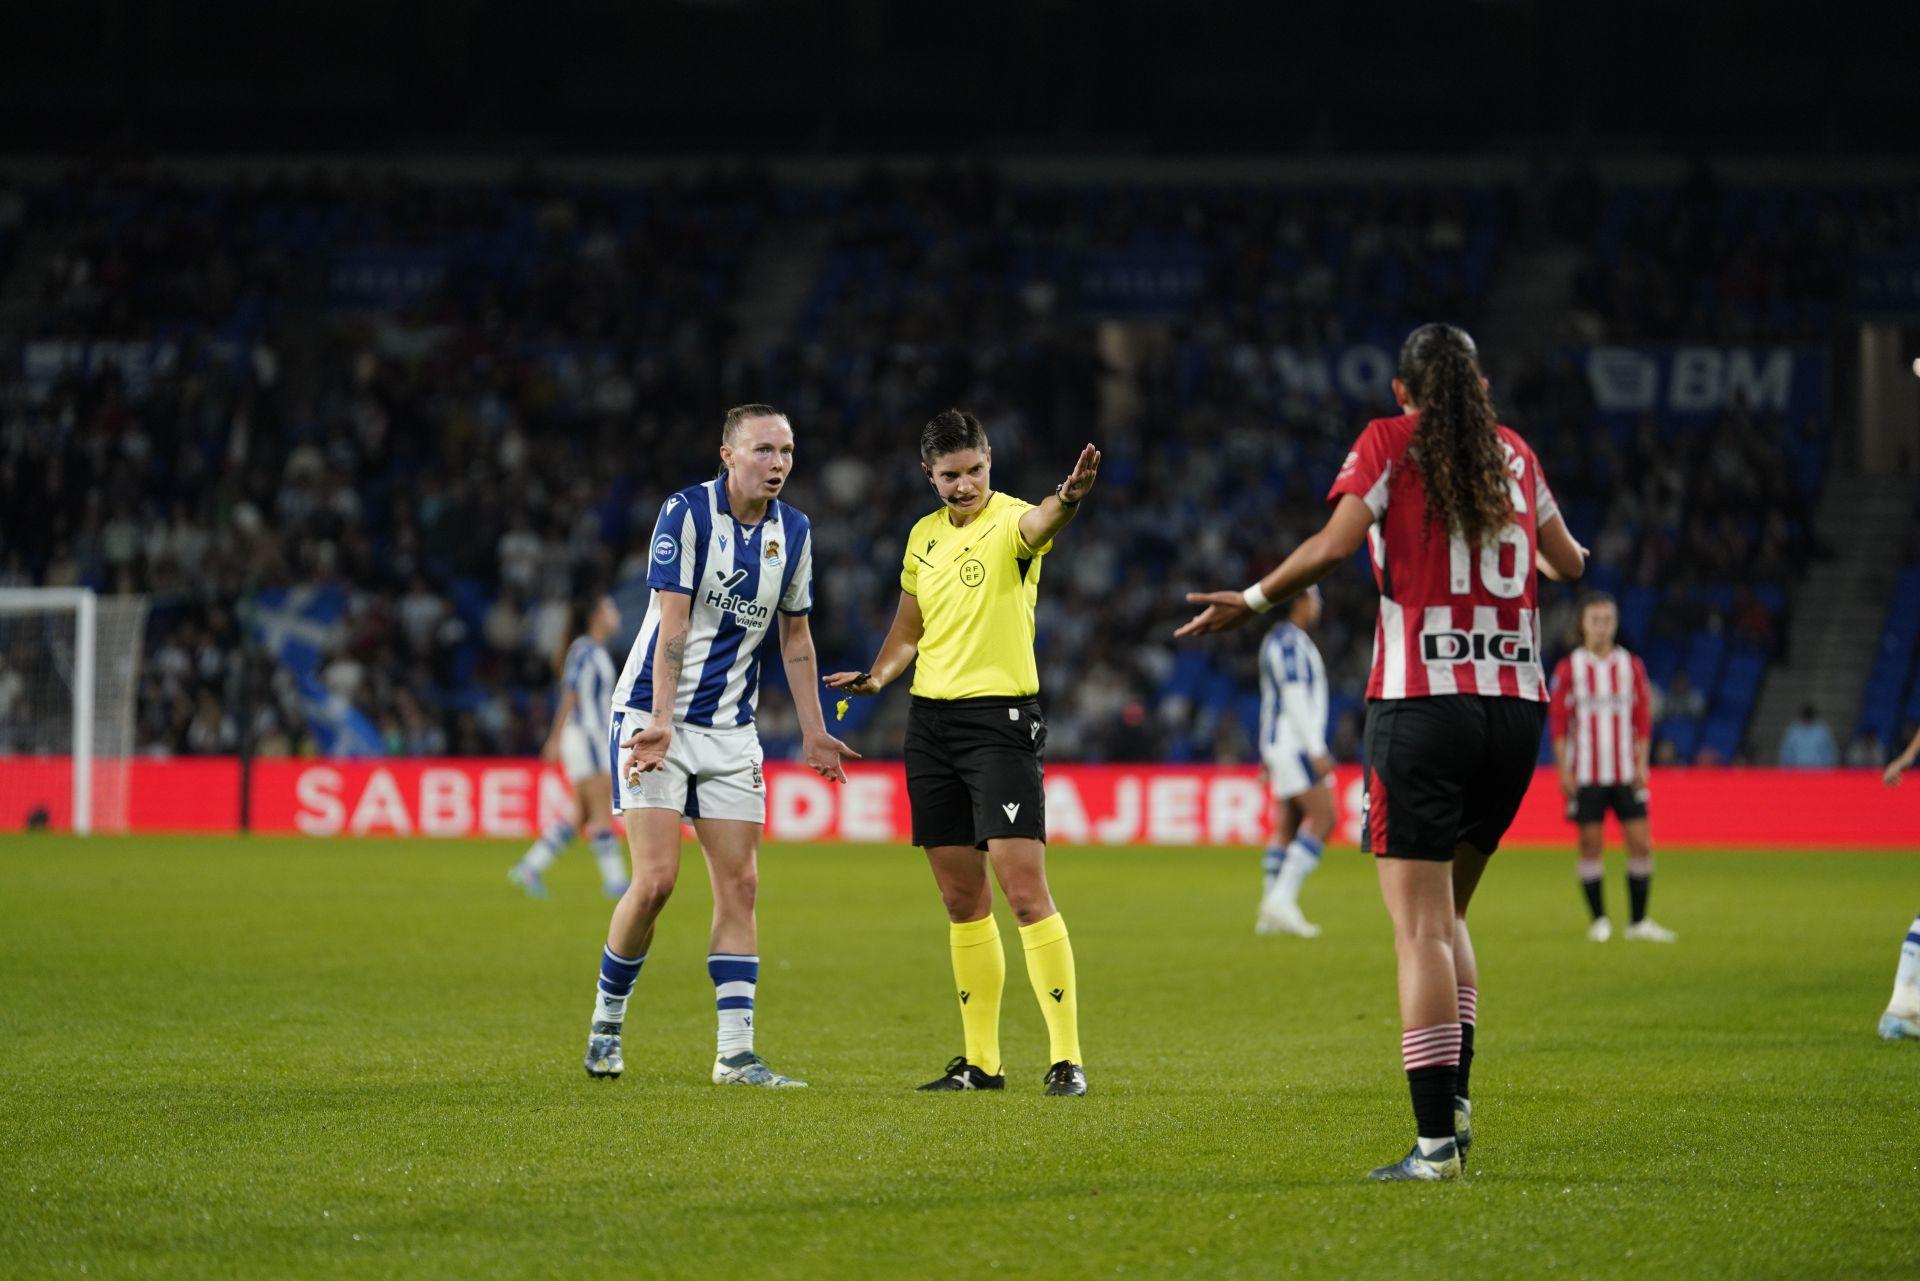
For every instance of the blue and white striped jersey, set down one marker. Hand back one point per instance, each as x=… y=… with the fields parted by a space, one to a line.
x=588 y=672
x=738 y=576
x=1293 y=695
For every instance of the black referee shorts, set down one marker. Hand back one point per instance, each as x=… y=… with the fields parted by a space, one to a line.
x=973 y=770
x=1591 y=803
x=1446 y=770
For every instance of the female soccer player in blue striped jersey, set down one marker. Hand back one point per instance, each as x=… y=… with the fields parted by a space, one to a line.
x=728 y=557
x=574 y=744
x=1294 y=764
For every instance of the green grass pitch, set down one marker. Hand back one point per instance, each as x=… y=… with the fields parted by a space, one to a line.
x=266 y=1058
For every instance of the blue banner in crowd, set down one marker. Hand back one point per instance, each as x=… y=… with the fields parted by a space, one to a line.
x=44 y=361
x=1677 y=384
x=299 y=626
x=384 y=277
x=1887 y=285
x=1695 y=383
x=1141 y=283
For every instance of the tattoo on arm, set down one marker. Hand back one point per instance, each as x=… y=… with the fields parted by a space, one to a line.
x=676 y=656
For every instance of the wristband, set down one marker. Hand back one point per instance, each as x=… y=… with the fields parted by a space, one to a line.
x=1060 y=492
x=1256 y=599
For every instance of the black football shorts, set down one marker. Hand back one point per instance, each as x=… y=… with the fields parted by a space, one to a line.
x=1446 y=770
x=973 y=770
x=1591 y=803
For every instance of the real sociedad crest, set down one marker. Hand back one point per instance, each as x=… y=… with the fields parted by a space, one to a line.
x=773 y=552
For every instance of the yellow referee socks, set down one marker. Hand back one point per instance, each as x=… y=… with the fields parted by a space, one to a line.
x=979 y=974
x=1050 y=970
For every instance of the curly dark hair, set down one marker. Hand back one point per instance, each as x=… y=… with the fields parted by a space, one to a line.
x=1458 y=457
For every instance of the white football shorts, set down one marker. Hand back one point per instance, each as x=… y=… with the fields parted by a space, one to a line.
x=580 y=757
x=709 y=773
x=1288 y=773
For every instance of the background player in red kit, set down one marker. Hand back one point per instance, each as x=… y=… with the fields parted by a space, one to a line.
x=1457 y=515
x=1602 y=718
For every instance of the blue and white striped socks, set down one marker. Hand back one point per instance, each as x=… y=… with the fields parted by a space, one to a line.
x=617 y=975
x=555 y=838
x=734 y=979
x=1302 y=857
x=607 y=853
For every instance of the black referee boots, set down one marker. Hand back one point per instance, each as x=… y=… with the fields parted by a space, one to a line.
x=1066 y=1079
x=962 y=1075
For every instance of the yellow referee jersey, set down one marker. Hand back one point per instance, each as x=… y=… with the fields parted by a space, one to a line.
x=977 y=587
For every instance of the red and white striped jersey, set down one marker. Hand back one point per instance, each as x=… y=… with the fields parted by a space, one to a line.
x=1453 y=619
x=1606 y=706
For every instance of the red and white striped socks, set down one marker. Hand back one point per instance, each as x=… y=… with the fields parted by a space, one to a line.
x=1432 y=1059
x=1426 y=1047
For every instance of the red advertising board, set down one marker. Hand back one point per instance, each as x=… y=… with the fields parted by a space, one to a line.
x=1184 y=805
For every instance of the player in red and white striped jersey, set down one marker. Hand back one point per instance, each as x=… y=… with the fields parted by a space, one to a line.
x=1458 y=518
x=1602 y=718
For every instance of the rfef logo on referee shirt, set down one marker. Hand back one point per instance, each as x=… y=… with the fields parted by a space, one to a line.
x=973 y=573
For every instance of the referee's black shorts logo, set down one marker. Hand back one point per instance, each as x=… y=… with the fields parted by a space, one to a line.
x=974 y=770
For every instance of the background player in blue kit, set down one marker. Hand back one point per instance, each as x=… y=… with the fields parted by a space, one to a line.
x=1294 y=763
x=575 y=744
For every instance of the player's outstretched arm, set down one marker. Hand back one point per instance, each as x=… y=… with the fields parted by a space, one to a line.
x=1039 y=524
x=550 y=749
x=823 y=752
x=1560 y=556
x=1900 y=764
x=1311 y=561
x=896 y=652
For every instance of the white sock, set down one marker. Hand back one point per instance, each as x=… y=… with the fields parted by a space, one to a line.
x=1271 y=862
x=1429 y=1146
x=1906 y=979
x=606 y=852
x=539 y=857
x=735 y=977
x=1302 y=857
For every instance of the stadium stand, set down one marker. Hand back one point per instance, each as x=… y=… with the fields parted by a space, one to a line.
x=438 y=411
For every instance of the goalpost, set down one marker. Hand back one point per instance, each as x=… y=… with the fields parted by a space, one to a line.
x=69 y=679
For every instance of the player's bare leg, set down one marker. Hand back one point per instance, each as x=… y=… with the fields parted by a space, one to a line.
x=1593 y=868
x=653 y=844
x=1642 y=928
x=1280 y=908
x=732 y=850
x=1419 y=899
x=979 y=967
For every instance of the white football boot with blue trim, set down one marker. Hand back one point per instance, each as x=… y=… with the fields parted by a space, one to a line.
x=748 y=1068
x=1899 y=1027
x=603 y=1052
x=1442 y=1167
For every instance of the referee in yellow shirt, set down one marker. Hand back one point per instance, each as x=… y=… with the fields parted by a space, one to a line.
x=975 y=737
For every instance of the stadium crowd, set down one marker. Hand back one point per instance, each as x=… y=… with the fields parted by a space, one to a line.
x=463 y=406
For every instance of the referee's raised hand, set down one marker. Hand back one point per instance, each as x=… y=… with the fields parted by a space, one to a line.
x=1086 y=469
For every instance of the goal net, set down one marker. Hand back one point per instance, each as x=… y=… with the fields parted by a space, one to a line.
x=69 y=677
